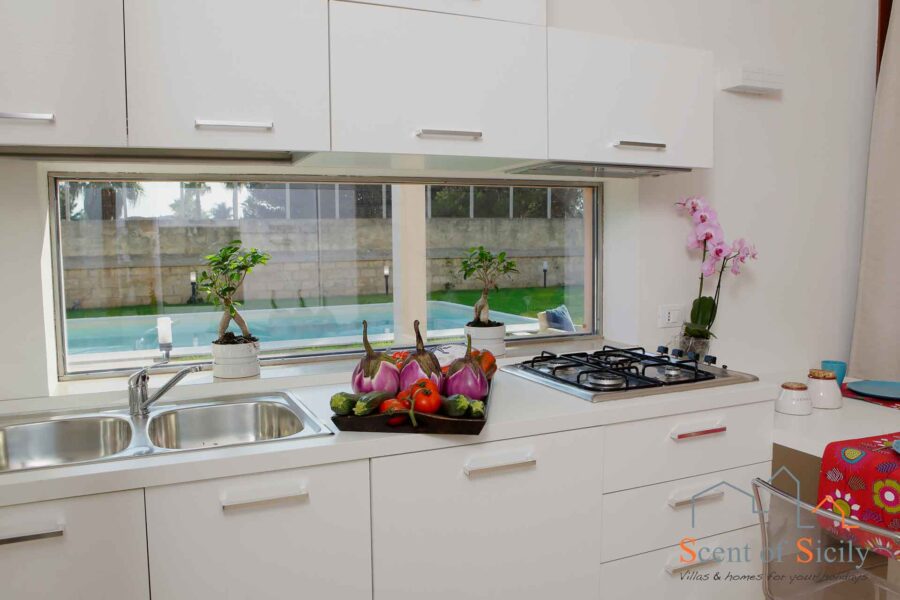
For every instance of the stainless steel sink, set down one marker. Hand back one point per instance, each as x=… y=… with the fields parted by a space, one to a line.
x=225 y=424
x=62 y=441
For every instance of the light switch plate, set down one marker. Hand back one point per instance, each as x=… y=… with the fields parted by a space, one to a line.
x=670 y=315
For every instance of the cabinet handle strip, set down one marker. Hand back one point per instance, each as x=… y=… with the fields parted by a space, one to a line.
x=681 y=503
x=673 y=570
x=264 y=501
x=475 y=135
x=28 y=116
x=28 y=537
x=640 y=145
x=699 y=433
x=237 y=124
x=516 y=464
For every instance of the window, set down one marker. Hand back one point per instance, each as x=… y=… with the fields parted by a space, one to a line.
x=127 y=252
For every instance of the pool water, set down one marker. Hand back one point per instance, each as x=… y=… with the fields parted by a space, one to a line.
x=305 y=326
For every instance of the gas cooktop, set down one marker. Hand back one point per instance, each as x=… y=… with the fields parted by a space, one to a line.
x=613 y=373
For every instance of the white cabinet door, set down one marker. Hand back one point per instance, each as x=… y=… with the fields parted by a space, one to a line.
x=520 y=11
x=228 y=74
x=286 y=534
x=512 y=519
x=62 y=73
x=414 y=82
x=629 y=102
x=86 y=548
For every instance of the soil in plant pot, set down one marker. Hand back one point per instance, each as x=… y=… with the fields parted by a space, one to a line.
x=480 y=324
x=230 y=338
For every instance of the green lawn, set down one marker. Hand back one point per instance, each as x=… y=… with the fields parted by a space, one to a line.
x=519 y=301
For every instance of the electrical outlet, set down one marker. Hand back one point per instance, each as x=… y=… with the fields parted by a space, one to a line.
x=670 y=315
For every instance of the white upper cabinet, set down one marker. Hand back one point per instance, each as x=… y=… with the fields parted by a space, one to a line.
x=227 y=74
x=415 y=82
x=629 y=102
x=520 y=11
x=62 y=73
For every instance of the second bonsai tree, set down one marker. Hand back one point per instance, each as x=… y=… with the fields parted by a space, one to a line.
x=488 y=269
x=234 y=356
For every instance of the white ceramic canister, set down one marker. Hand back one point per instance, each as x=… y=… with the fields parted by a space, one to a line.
x=824 y=390
x=794 y=399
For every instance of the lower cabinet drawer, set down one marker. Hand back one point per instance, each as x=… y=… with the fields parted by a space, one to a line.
x=646 y=452
x=647 y=518
x=690 y=572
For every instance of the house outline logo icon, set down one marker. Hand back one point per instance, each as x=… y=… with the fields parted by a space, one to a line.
x=699 y=496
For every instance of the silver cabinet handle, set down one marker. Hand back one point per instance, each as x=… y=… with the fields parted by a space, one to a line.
x=28 y=116
x=522 y=463
x=641 y=145
x=681 y=503
x=263 y=501
x=674 y=570
x=475 y=135
x=38 y=535
x=236 y=124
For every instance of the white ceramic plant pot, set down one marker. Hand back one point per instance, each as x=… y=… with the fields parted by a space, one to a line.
x=492 y=339
x=235 y=361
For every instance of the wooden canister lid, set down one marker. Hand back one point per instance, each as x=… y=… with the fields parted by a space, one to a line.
x=821 y=374
x=794 y=385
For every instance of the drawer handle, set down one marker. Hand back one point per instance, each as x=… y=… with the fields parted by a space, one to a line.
x=687 y=435
x=632 y=145
x=264 y=501
x=676 y=503
x=475 y=135
x=522 y=463
x=269 y=125
x=28 y=537
x=672 y=569
x=28 y=116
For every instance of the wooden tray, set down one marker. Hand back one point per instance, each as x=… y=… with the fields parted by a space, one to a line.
x=439 y=424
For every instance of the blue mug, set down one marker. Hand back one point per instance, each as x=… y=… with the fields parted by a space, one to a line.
x=838 y=366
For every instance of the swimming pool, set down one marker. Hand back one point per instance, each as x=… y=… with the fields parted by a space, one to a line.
x=306 y=326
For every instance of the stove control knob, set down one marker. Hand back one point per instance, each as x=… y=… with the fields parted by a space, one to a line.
x=709 y=359
x=692 y=356
x=662 y=349
x=677 y=352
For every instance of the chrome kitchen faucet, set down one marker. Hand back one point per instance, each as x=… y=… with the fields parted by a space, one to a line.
x=139 y=400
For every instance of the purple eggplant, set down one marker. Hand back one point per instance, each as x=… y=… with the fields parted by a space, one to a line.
x=422 y=364
x=376 y=372
x=466 y=377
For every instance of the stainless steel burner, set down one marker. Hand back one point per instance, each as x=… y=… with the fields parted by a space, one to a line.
x=671 y=371
x=567 y=371
x=609 y=381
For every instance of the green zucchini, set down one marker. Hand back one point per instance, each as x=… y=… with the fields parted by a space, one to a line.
x=342 y=403
x=368 y=403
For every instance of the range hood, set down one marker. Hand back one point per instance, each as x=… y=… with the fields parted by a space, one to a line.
x=559 y=168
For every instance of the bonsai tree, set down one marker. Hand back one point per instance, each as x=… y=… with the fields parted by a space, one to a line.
x=227 y=269
x=487 y=268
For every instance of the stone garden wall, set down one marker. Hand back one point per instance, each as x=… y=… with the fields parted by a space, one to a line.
x=136 y=261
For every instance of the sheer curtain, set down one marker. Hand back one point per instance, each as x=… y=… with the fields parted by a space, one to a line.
x=876 y=335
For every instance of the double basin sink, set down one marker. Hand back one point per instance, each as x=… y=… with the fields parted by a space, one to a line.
x=55 y=440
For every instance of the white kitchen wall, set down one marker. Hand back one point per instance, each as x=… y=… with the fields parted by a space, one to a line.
x=789 y=174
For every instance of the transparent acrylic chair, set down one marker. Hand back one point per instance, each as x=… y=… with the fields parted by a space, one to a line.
x=809 y=556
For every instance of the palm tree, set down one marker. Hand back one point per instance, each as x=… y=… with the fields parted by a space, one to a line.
x=70 y=192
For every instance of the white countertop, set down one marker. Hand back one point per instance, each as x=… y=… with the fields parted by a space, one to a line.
x=518 y=408
x=856 y=419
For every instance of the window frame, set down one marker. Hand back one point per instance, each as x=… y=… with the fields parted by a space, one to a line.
x=292 y=357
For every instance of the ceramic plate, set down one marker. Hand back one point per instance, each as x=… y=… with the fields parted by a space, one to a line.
x=886 y=390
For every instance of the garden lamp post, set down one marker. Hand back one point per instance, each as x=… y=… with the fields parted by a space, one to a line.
x=387 y=275
x=545 y=266
x=193 y=298
x=164 y=337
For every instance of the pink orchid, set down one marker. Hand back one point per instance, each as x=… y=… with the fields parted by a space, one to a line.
x=736 y=268
x=719 y=251
x=711 y=233
x=705 y=215
x=693 y=243
x=709 y=266
x=693 y=204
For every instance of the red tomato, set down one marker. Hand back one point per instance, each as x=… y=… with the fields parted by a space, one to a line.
x=426 y=400
x=392 y=406
x=425 y=383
